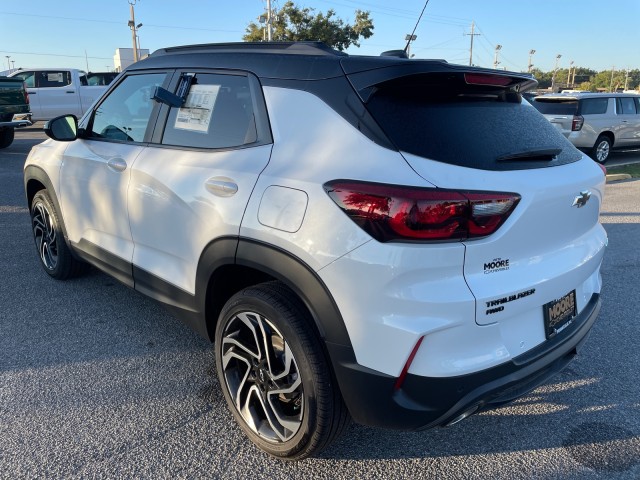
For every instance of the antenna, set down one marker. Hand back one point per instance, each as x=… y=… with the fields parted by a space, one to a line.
x=412 y=36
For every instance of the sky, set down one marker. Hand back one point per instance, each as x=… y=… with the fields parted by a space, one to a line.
x=85 y=33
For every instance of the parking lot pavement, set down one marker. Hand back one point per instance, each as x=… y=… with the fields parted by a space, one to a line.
x=98 y=381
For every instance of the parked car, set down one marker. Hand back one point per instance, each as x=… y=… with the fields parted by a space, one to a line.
x=14 y=109
x=401 y=242
x=58 y=91
x=594 y=122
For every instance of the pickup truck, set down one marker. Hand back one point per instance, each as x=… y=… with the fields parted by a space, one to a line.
x=59 y=91
x=14 y=109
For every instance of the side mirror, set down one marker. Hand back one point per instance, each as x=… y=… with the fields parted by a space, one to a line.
x=63 y=129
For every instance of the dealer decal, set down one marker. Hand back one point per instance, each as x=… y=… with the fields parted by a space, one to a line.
x=496 y=265
x=497 y=305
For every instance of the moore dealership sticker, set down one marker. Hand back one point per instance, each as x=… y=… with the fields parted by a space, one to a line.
x=496 y=265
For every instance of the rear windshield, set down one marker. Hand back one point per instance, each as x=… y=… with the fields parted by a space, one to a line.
x=556 y=106
x=444 y=119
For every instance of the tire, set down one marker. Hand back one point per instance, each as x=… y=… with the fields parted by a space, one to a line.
x=6 y=137
x=601 y=150
x=55 y=255
x=275 y=375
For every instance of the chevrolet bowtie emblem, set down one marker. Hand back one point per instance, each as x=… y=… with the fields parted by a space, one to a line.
x=582 y=199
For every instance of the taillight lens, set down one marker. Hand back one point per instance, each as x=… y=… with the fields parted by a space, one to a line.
x=576 y=124
x=397 y=213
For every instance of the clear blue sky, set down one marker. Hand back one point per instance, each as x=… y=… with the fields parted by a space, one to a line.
x=592 y=33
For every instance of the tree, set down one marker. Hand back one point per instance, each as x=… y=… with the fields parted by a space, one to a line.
x=293 y=23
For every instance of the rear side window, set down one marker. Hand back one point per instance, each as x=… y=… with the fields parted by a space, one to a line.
x=555 y=106
x=218 y=113
x=484 y=127
x=53 y=78
x=625 y=105
x=593 y=106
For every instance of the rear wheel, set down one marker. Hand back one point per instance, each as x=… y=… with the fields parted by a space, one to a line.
x=6 y=137
x=601 y=149
x=275 y=375
x=55 y=255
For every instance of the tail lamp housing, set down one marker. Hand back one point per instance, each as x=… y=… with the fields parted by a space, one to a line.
x=393 y=213
x=576 y=123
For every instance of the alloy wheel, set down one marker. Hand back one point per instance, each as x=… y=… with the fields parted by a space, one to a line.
x=44 y=233
x=262 y=377
x=602 y=152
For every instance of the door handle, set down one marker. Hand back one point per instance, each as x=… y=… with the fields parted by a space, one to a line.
x=221 y=186
x=71 y=91
x=117 y=164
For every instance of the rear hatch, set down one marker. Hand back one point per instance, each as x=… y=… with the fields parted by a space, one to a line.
x=468 y=130
x=561 y=111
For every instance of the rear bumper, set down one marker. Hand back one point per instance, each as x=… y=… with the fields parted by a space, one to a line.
x=425 y=402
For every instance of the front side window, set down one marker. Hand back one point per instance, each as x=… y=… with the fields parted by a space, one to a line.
x=124 y=115
x=218 y=113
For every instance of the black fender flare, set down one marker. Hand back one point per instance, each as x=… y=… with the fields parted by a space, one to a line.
x=33 y=172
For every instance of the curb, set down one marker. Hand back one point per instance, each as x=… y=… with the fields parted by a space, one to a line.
x=616 y=177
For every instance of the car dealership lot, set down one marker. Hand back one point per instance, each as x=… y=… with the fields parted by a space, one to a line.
x=97 y=380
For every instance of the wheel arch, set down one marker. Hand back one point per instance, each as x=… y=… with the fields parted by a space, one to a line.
x=609 y=134
x=255 y=262
x=36 y=179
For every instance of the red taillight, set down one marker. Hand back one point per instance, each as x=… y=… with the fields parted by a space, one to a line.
x=603 y=168
x=396 y=213
x=576 y=124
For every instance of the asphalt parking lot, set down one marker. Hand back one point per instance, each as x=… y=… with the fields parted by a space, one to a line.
x=98 y=381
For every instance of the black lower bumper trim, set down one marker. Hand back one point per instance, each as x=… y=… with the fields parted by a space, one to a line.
x=425 y=402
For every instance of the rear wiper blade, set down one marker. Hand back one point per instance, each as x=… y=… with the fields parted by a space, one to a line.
x=544 y=155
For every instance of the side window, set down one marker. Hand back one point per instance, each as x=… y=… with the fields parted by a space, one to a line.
x=124 y=115
x=218 y=113
x=53 y=78
x=626 y=105
x=593 y=106
x=28 y=78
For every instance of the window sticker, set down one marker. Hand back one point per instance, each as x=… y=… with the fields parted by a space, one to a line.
x=197 y=110
x=55 y=77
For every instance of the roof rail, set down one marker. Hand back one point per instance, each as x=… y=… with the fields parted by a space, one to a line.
x=289 y=48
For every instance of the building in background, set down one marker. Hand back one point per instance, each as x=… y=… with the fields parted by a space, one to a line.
x=124 y=57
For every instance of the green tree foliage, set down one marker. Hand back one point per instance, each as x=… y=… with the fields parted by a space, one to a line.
x=293 y=23
x=589 y=80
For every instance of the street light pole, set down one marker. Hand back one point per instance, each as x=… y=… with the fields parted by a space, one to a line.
x=555 y=70
x=531 y=52
x=409 y=38
x=495 y=58
x=569 y=73
x=8 y=61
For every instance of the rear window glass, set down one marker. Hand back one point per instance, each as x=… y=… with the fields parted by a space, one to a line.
x=593 y=106
x=626 y=105
x=555 y=106
x=471 y=126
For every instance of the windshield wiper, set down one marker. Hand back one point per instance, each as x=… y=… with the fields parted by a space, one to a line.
x=542 y=155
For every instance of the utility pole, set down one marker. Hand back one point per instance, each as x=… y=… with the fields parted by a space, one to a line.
x=531 y=52
x=495 y=58
x=613 y=69
x=626 y=79
x=8 y=61
x=269 y=17
x=555 y=70
x=473 y=26
x=569 y=73
x=134 y=30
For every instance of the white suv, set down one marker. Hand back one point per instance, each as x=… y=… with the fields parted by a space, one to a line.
x=401 y=242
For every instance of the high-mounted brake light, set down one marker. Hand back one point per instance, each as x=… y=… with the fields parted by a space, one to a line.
x=397 y=213
x=487 y=79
